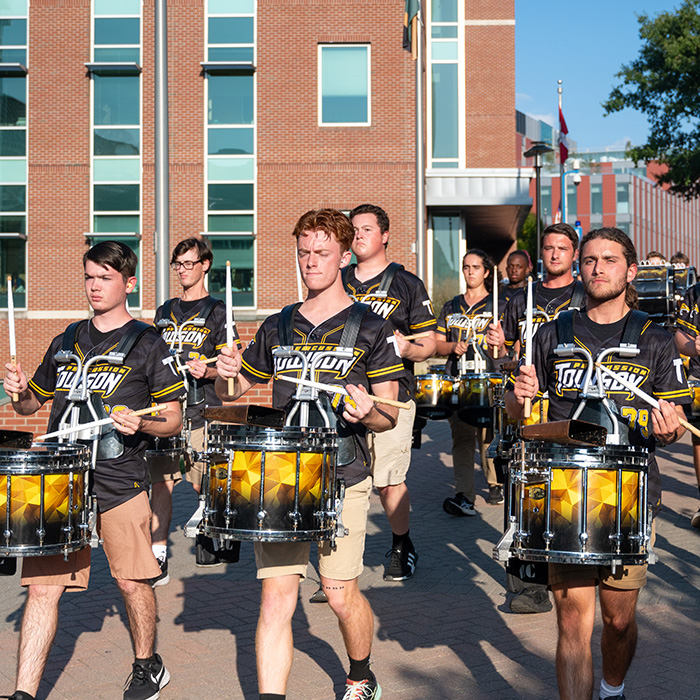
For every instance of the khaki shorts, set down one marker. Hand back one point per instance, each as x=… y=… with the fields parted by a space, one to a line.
x=194 y=470
x=342 y=564
x=391 y=450
x=126 y=531
x=625 y=578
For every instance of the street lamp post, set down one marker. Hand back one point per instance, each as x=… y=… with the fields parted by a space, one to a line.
x=536 y=151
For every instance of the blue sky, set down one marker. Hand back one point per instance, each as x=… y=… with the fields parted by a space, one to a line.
x=584 y=44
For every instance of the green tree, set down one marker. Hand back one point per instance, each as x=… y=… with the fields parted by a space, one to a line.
x=527 y=238
x=663 y=83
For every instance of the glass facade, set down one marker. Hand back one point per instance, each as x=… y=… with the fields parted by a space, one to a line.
x=596 y=199
x=571 y=204
x=444 y=84
x=13 y=153
x=446 y=267
x=231 y=149
x=623 y=198
x=116 y=127
x=344 y=86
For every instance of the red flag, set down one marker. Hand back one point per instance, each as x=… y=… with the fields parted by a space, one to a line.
x=563 y=142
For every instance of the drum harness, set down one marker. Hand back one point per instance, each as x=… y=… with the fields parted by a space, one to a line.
x=307 y=398
x=478 y=363
x=593 y=404
x=384 y=283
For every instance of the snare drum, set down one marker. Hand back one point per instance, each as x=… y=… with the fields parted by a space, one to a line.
x=538 y=411
x=692 y=411
x=271 y=485
x=44 y=499
x=476 y=397
x=434 y=395
x=579 y=505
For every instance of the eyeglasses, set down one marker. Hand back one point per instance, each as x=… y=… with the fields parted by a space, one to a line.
x=187 y=264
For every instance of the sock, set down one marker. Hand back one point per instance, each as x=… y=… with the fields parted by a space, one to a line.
x=160 y=551
x=271 y=696
x=610 y=691
x=400 y=540
x=359 y=670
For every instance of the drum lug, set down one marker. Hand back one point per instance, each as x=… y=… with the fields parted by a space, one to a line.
x=548 y=536
x=583 y=539
x=616 y=539
x=41 y=533
x=7 y=534
x=295 y=517
x=262 y=514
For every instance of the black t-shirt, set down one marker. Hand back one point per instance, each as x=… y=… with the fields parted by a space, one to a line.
x=657 y=370
x=454 y=326
x=688 y=320
x=148 y=374
x=406 y=306
x=198 y=342
x=546 y=301
x=375 y=360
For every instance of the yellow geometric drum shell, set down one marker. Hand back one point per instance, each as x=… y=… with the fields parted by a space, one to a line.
x=434 y=395
x=538 y=412
x=692 y=411
x=271 y=485
x=580 y=505
x=44 y=504
x=476 y=397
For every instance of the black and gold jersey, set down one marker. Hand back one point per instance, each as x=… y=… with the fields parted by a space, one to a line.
x=453 y=324
x=148 y=374
x=688 y=320
x=547 y=305
x=375 y=359
x=405 y=305
x=198 y=342
x=657 y=370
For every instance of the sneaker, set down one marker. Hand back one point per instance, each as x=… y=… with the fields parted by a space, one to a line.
x=534 y=599
x=164 y=578
x=368 y=689
x=614 y=697
x=319 y=596
x=402 y=564
x=695 y=520
x=495 y=495
x=18 y=695
x=145 y=682
x=459 y=504
x=205 y=554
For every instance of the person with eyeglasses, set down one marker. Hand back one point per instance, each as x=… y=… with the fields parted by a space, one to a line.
x=199 y=328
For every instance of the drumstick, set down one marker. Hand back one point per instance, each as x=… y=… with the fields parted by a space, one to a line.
x=97 y=423
x=11 y=328
x=340 y=390
x=229 y=320
x=527 y=406
x=495 y=306
x=206 y=361
x=644 y=396
x=417 y=336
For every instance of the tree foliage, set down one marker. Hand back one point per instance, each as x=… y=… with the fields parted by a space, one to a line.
x=663 y=83
x=527 y=237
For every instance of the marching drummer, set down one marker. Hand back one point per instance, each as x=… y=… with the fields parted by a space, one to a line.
x=196 y=330
x=323 y=239
x=120 y=482
x=557 y=292
x=461 y=332
x=518 y=268
x=608 y=266
x=399 y=296
x=688 y=342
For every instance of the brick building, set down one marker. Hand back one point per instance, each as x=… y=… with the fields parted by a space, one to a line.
x=275 y=107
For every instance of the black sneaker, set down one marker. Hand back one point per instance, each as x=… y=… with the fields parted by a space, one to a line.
x=18 y=695
x=459 y=504
x=402 y=564
x=368 y=689
x=164 y=578
x=205 y=554
x=495 y=495
x=615 y=697
x=319 y=596
x=145 y=682
x=534 y=599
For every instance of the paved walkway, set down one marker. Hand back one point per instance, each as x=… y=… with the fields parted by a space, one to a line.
x=447 y=634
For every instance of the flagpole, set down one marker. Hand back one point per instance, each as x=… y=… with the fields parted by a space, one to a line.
x=420 y=152
x=561 y=163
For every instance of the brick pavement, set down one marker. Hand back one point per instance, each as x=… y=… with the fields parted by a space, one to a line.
x=447 y=634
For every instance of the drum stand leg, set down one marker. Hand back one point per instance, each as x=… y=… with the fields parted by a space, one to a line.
x=502 y=551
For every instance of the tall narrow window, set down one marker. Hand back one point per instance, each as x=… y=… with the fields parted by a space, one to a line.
x=116 y=126
x=571 y=203
x=13 y=150
x=623 y=197
x=344 y=85
x=596 y=199
x=446 y=253
x=231 y=147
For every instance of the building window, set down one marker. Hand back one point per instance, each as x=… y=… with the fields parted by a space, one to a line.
x=13 y=151
x=116 y=128
x=571 y=203
x=596 y=199
x=344 y=85
x=623 y=198
x=231 y=149
x=546 y=201
x=447 y=249
x=624 y=226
